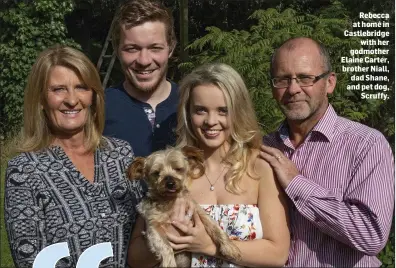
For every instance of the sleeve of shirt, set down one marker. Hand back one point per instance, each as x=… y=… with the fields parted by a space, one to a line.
x=361 y=216
x=23 y=218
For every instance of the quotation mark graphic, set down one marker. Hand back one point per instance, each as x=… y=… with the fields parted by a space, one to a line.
x=90 y=258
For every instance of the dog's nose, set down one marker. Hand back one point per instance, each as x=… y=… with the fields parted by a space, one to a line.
x=169 y=182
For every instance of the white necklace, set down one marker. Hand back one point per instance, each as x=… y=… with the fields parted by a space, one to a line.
x=212 y=184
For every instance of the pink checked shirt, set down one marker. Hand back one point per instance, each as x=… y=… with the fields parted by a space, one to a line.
x=342 y=202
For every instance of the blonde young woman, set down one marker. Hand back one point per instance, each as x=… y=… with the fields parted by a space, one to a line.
x=68 y=182
x=238 y=189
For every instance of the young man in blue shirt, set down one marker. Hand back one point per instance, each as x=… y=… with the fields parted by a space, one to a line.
x=142 y=110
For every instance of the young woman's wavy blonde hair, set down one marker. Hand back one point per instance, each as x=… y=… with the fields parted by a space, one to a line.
x=36 y=133
x=244 y=129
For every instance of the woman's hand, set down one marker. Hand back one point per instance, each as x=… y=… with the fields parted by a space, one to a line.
x=195 y=238
x=182 y=212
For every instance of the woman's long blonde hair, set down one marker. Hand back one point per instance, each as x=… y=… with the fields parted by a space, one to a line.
x=244 y=129
x=36 y=133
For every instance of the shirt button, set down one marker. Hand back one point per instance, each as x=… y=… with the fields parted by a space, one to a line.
x=157 y=125
x=296 y=198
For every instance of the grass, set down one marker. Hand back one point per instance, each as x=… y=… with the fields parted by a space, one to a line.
x=5 y=255
x=6 y=152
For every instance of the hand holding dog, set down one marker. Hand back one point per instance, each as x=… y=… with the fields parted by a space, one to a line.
x=168 y=209
x=183 y=210
x=180 y=213
x=196 y=239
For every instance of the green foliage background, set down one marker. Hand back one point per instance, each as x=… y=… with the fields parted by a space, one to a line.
x=26 y=29
x=249 y=51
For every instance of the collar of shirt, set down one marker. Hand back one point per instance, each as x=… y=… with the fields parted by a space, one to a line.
x=169 y=101
x=325 y=127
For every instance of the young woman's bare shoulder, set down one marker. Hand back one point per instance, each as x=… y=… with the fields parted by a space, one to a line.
x=260 y=166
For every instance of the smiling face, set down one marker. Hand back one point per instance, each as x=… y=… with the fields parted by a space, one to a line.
x=209 y=116
x=68 y=102
x=296 y=102
x=144 y=53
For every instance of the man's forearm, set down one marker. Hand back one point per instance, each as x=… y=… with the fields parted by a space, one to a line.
x=351 y=221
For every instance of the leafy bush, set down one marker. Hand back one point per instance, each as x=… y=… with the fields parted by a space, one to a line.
x=249 y=52
x=26 y=29
x=387 y=255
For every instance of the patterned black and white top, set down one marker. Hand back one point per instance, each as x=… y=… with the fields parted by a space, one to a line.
x=48 y=201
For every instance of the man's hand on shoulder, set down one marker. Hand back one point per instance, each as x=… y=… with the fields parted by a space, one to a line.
x=285 y=170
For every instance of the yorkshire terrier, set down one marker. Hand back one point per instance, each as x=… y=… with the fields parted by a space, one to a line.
x=168 y=174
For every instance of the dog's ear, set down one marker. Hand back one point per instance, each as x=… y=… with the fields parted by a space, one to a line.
x=136 y=169
x=195 y=161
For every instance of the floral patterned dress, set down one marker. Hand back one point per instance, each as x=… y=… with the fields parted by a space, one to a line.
x=239 y=221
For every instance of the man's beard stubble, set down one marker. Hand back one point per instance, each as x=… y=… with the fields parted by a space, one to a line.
x=132 y=82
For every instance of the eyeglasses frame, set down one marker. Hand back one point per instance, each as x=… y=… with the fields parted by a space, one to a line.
x=289 y=79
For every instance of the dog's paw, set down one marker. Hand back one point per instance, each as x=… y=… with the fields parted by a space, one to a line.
x=230 y=251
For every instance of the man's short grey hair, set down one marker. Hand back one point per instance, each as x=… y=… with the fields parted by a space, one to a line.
x=290 y=45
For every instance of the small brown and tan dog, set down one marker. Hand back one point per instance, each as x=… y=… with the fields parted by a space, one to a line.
x=168 y=174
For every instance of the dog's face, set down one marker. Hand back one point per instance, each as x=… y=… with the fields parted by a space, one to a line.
x=169 y=171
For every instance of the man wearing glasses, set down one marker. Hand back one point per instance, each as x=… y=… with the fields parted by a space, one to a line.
x=338 y=174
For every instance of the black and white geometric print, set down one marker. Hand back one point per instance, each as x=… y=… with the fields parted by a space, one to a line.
x=47 y=201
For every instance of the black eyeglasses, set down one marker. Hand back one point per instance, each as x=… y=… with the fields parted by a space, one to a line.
x=302 y=80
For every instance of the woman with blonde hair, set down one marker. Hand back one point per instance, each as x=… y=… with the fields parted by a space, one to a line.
x=238 y=189
x=68 y=183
